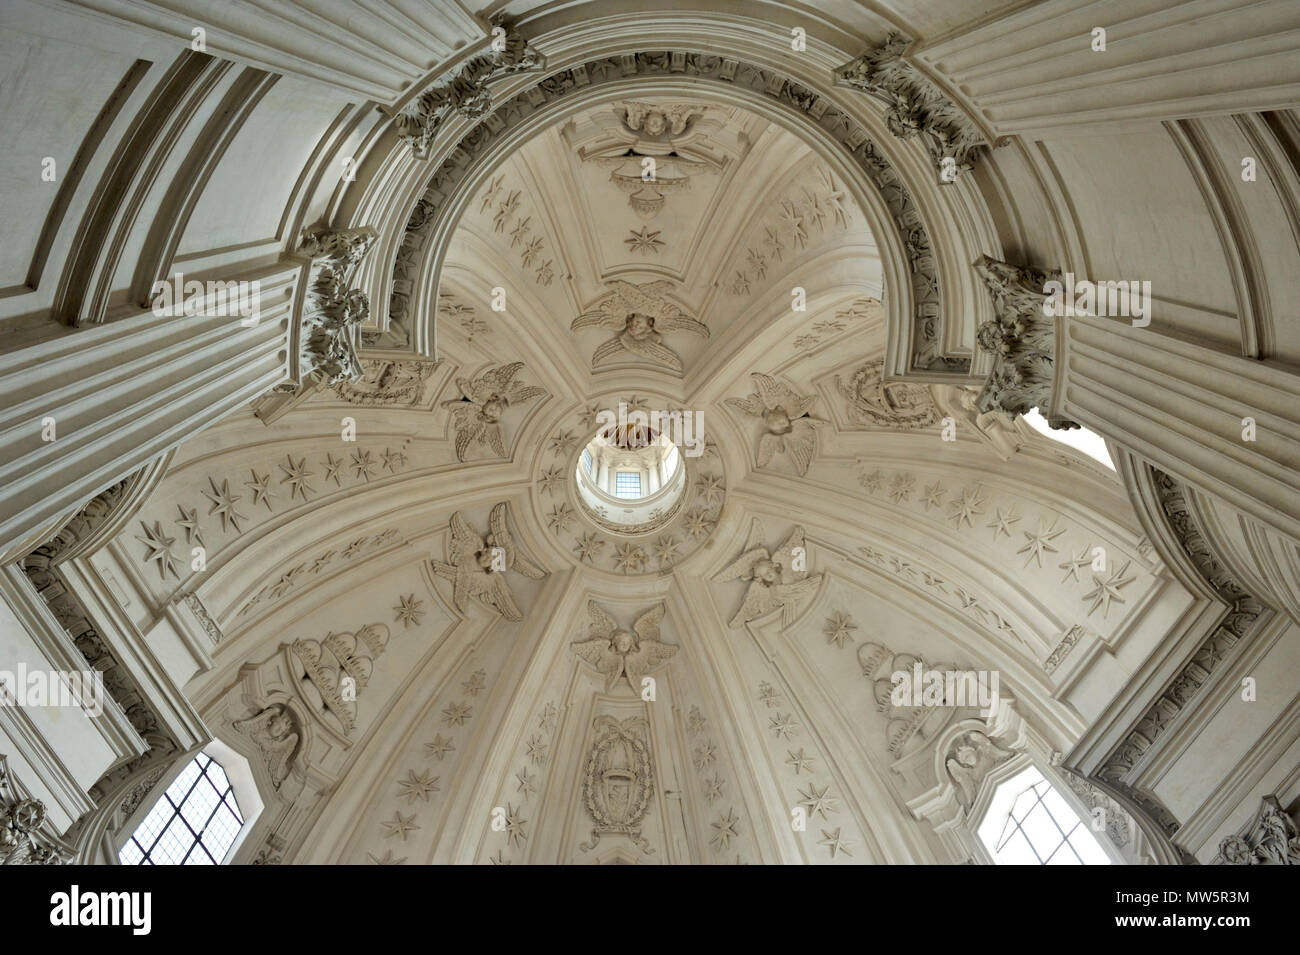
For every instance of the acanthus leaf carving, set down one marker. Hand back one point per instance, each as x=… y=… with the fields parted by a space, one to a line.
x=333 y=312
x=1272 y=838
x=916 y=105
x=1022 y=340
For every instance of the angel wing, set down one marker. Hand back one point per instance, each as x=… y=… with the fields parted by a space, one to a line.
x=784 y=555
x=602 y=624
x=464 y=541
x=647 y=298
x=655 y=351
x=801 y=443
x=609 y=312
x=768 y=446
x=751 y=405
x=774 y=393
x=645 y=658
x=759 y=600
x=501 y=534
x=597 y=652
x=465 y=436
x=606 y=349
x=789 y=593
x=497 y=594
x=679 y=320
x=741 y=565
x=497 y=381
x=521 y=393
x=492 y=435
x=647 y=625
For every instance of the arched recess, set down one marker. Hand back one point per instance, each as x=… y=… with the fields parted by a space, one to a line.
x=903 y=208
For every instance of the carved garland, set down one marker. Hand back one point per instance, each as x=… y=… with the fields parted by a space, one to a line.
x=840 y=125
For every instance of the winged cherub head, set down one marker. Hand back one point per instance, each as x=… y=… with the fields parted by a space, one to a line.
x=619 y=653
x=639 y=315
x=477 y=416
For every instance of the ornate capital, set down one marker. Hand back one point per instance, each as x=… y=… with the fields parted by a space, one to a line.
x=1022 y=339
x=1272 y=839
x=466 y=92
x=916 y=106
x=24 y=835
x=333 y=311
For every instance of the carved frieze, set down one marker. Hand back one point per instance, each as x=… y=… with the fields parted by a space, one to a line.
x=466 y=92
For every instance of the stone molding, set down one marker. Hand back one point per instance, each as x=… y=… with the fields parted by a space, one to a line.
x=460 y=160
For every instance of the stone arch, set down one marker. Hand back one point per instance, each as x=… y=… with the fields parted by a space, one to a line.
x=919 y=280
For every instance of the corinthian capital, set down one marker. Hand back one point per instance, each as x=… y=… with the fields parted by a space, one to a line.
x=1022 y=339
x=916 y=106
x=333 y=311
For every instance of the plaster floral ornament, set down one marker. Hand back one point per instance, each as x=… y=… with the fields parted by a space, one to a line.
x=477 y=416
x=630 y=654
x=639 y=314
x=787 y=424
x=477 y=565
x=776 y=578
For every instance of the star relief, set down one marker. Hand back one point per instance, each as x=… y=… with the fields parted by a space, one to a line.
x=409 y=611
x=1108 y=589
x=159 y=545
x=587 y=547
x=839 y=629
x=223 y=505
x=629 y=654
x=776 y=578
x=787 y=424
x=639 y=314
x=477 y=416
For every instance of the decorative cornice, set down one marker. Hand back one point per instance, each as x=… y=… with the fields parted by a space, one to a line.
x=459 y=161
x=1021 y=338
x=466 y=92
x=1244 y=619
x=332 y=311
x=916 y=105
